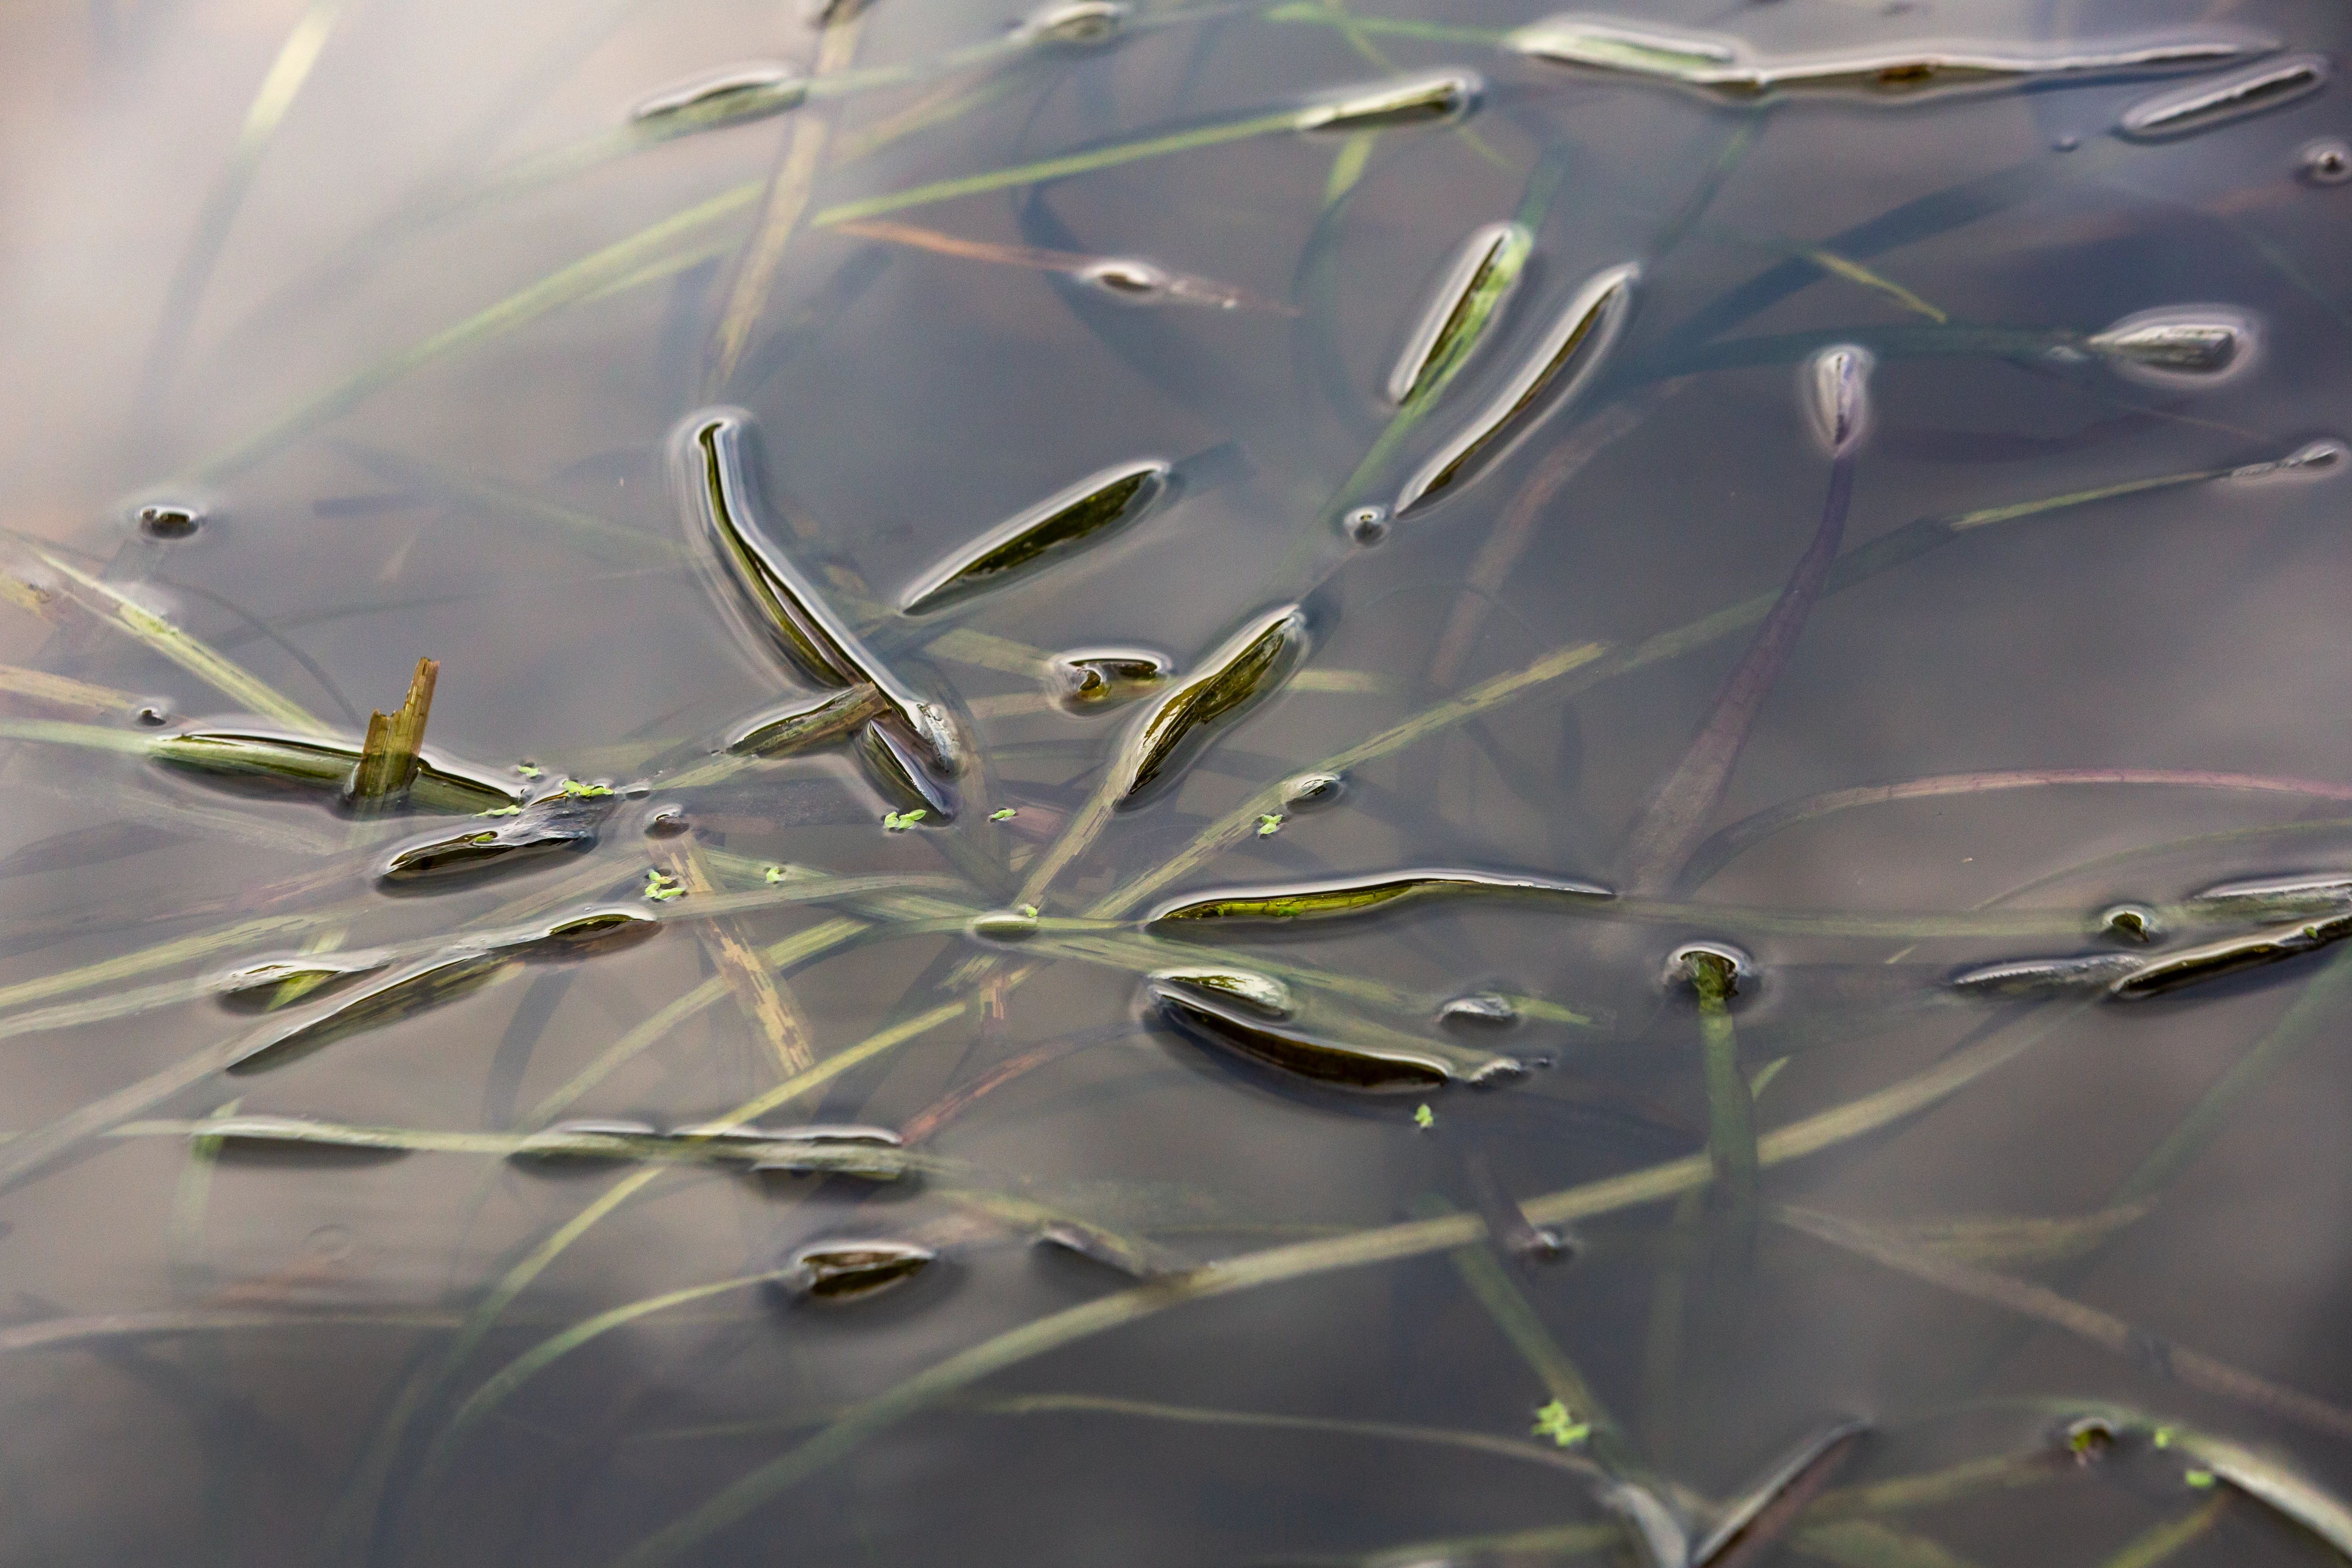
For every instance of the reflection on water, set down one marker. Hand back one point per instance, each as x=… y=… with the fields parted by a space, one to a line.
x=1779 y=564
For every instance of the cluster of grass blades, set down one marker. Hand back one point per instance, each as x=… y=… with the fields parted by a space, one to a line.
x=1478 y=381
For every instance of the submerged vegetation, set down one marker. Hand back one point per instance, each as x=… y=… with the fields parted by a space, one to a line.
x=1516 y=952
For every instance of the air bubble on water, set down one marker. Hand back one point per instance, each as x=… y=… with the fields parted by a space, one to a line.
x=667 y=820
x=2327 y=162
x=2131 y=923
x=1367 y=525
x=154 y=715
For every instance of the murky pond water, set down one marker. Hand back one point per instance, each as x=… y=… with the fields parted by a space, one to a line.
x=1191 y=783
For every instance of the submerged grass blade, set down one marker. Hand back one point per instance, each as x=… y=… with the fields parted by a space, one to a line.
x=495 y=1391
x=565 y=286
x=1386 y=1244
x=1341 y=897
x=763 y=999
x=1660 y=842
x=1730 y=843
x=1058 y=168
x=781 y=210
x=279 y=88
x=1246 y=668
x=2190 y=1368
x=216 y=670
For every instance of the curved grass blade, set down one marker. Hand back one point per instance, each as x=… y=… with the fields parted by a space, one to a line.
x=2231 y=955
x=781 y=207
x=1083 y=515
x=2187 y=1367
x=714 y=476
x=1342 y=897
x=279 y=88
x=216 y=670
x=1727 y=845
x=1158 y=741
x=1563 y=360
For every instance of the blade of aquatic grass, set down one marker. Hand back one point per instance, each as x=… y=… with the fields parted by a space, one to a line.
x=1730 y=1107
x=29 y=1153
x=59 y=1334
x=2320 y=1006
x=1247 y=1420
x=782 y=207
x=2192 y=1369
x=657 y=1026
x=950 y=102
x=1056 y=168
x=1727 y=845
x=1967 y=1478
x=499 y=1387
x=1317 y=12
x=63 y=691
x=596 y=535
x=1306 y=1259
x=1481 y=1269
x=1855 y=272
x=184 y=1244
x=216 y=670
x=1662 y=1339
x=767 y=1003
x=565 y=286
x=1499 y=554
x=373 y=1473
x=92 y=737
x=279 y=86
x=2161 y=1542
x=1661 y=840
x=1867 y=1544
x=1591 y=663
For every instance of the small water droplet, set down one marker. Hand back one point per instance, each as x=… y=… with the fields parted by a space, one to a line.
x=1700 y=965
x=169 y=520
x=1367 y=525
x=667 y=820
x=153 y=715
x=2067 y=143
x=2131 y=923
x=2327 y=162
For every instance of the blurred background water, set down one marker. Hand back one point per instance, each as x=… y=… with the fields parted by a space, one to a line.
x=397 y=301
